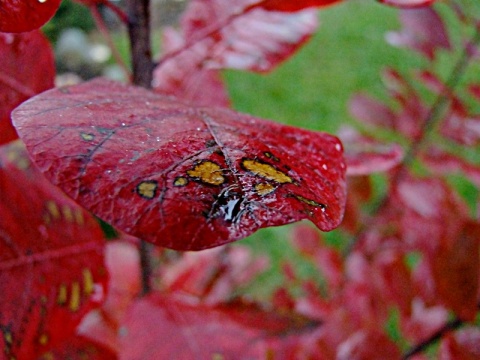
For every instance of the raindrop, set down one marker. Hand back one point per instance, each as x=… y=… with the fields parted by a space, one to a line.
x=158 y=138
x=338 y=147
x=325 y=167
x=123 y=124
x=42 y=1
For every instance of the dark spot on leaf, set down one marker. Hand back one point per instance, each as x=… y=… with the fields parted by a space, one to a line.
x=310 y=202
x=210 y=143
x=271 y=156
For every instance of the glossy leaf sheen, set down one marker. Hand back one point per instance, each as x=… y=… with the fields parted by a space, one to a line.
x=26 y=68
x=180 y=177
x=51 y=257
x=23 y=15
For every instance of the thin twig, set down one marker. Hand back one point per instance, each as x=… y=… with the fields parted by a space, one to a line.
x=452 y=325
x=108 y=38
x=144 y=249
x=433 y=116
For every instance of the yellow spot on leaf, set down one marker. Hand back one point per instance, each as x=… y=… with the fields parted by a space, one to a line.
x=147 y=189
x=266 y=171
x=264 y=188
x=87 y=136
x=62 y=295
x=78 y=215
x=48 y=356
x=310 y=202
x=180 y=181
x=74 y=303
x=53 y=209
x=8 y=337
x=207 y=172
x=43 y=339
x=67 y=213
x=217 y=357
x=87 y=282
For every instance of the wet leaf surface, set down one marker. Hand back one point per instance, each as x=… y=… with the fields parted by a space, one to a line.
x=51 y=259
x=178 y=176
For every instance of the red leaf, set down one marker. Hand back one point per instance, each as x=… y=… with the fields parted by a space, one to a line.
x=455 y=270
x=217 y=34
x=51 y=258
x=21 y=16
x=368 y=345
x=407 y=3
x=372 y=112
x=288 y=5
x=185 y=76
x=26 y=68
x=78 y=348
x=186 y=331
x=422 y=30
x=365 y=155
x=463 y=345
x=181 y=177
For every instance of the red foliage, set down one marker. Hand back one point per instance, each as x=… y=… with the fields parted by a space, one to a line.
x=192 y=177
x=21 y=16
x=26 y=68
x=52 y=250
x=180 y=177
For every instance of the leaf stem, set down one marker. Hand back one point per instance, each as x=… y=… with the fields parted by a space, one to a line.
x=433 y=116
x=139 y=33
x=146 y=266
x=450 y=326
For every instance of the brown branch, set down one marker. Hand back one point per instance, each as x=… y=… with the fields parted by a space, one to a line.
x=139 y=33
x=450 y=326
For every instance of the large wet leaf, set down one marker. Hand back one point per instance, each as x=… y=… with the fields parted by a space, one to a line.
x=51 y=257
x=178 y=176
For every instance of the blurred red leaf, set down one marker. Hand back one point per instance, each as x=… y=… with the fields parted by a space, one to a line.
x=181 y=177
x=26 y=68
x=186 y=331
x=368 y=345
x=288 y=5
x=21 y=16
x=456 y=268
x=422 y=30
x=219 y=34
x=51 y=259
x=365 y=155
x=78 y=348
x=407 y=3
x=464 y=344
x=371 y=111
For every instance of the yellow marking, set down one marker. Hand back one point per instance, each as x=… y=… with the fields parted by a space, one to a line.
x=147 y=189
x=264 y=188
x=217 y=357
x=15 y=156
x=48 y=356
x=207 y=172
x=43 y=339
x=180 y=181
x=53 y=209
x=87 y=136
x=266 y=171
x=78 y=215
x=310 y=202
x=271 y=156
x=8 y=337
x=74 y=304
x=67 y=213
x=62 y=295
x=87 y=282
